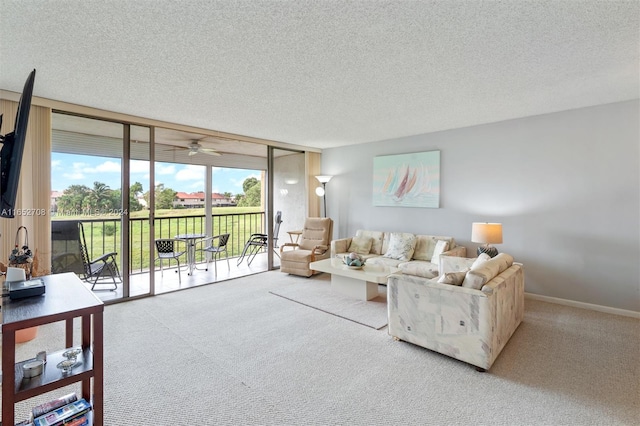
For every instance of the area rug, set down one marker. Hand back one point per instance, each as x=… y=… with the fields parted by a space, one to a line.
x=316 y=293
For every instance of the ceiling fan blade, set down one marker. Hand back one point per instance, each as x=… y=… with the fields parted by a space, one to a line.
x=192 y=153
x=208 y=151
x=174 y=148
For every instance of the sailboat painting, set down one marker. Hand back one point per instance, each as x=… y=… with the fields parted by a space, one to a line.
x=407 y=180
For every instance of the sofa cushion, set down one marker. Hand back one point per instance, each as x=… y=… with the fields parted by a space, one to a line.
x=419 y=268
x=384 y=261
x=360 y=245
x=401 y=246
x=441 y=247
x=376 y=239
x=453 y=278
x=426 y=244
x=484 y=272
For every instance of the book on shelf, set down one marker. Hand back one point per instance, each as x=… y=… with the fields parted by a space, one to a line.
x=64 y=414
x=42 y=409
x=82 y=420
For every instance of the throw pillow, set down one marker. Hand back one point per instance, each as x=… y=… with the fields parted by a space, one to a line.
x=401 y=246
x=480 y=260
x=441 y=247
x=360 y=245
x=481 y=274
x=453 y=278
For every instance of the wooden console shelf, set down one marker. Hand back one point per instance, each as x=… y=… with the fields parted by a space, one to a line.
x=65 y=298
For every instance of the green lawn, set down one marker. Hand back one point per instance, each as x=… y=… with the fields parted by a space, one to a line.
x=103 y=233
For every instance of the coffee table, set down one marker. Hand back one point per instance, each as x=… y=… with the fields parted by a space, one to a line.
x=359 y=283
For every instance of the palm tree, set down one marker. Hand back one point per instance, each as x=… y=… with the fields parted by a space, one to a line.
x=99 y=198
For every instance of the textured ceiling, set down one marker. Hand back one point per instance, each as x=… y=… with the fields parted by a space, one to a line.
x=324 y=73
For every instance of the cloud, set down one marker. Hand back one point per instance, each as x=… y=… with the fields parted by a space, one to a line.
x=77 y=171
x=191 y=172
x=106 y=167
x=138 y=166
x=165 y=169
x=74 y=175
x=238 y=181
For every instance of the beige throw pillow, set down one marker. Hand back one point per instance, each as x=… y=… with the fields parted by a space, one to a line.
x=360 y=245
x=441 y=247
x=401 y=246
x=453 y=278
x=480 y=260
x=483 y=272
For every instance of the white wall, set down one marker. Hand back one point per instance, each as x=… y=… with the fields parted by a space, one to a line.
x=566 y=187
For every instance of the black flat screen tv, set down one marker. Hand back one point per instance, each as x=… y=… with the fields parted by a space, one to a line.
x=12 y=149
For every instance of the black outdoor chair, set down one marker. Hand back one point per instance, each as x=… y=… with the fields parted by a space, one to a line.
x=216 y=250
x=167 y=249
x=257 y=242
x=69 y=253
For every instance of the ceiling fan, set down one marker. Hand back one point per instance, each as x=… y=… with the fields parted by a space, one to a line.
x=195 y=148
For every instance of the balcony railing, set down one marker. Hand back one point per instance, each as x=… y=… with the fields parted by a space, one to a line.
x=104 y=235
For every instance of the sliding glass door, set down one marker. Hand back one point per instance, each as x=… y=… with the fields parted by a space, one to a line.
x=86 y=180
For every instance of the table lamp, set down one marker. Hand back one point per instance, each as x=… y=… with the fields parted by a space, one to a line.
x=487 y=234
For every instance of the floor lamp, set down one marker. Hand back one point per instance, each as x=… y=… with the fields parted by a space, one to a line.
x=321 y=191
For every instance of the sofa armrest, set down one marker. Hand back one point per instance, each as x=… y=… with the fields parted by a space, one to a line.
x=512 y=275
x=340 y=246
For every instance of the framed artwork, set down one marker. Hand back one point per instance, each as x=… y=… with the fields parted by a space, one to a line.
x=407 y=180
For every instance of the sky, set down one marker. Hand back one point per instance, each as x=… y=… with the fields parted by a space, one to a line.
x=71 y=169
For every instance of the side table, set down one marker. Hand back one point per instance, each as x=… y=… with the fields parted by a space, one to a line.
x=65 y=298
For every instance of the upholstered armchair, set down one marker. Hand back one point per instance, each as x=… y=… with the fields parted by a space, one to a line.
x=313 y=245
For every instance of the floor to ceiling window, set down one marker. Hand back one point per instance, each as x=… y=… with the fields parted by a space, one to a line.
x=183 y=186
x=86 y=181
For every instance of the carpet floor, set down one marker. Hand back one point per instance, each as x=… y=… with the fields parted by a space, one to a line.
x=317 y=294
x=232 y=353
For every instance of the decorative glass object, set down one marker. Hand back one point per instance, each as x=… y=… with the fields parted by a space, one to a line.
x=353 y=261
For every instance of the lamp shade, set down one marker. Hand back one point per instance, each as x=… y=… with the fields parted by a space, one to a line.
x=486 y=233
x=323 y=178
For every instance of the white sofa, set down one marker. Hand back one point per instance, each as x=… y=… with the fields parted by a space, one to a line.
x=470 y=319
x=411 y=253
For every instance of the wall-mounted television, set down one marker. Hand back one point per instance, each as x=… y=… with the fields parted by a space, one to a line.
x=12 y=149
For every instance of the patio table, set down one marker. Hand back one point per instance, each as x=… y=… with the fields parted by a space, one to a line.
x=191 y=240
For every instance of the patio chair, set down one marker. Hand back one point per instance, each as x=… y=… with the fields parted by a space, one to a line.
x=257 y=242
x=69 y=253
x=216 y=250
x=167 y=249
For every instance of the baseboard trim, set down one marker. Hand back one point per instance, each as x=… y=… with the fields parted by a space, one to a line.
x=590 y=306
